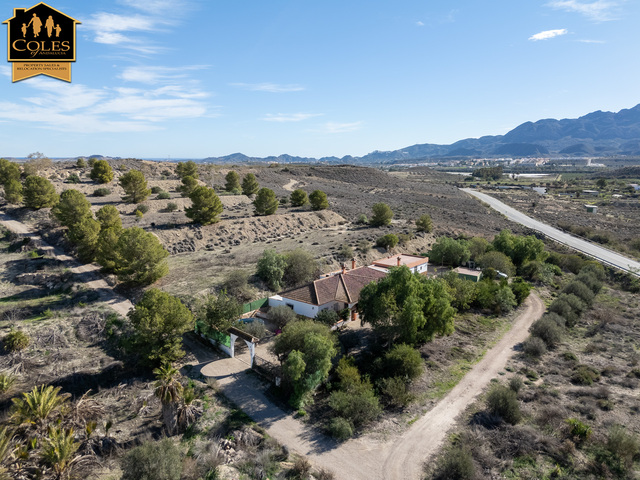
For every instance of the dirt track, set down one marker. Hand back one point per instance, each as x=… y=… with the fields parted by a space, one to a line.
x=397 y=458
x=89 y=272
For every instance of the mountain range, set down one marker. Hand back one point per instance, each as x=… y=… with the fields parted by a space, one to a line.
x=595 y=134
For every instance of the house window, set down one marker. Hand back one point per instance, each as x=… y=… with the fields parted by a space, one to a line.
x=290 y=305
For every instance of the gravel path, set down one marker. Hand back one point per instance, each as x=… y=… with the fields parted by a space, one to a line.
x=363 y=458
x=289 y=186
x=89 y=273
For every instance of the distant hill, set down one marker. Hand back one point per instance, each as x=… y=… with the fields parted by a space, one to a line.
x=597 y=133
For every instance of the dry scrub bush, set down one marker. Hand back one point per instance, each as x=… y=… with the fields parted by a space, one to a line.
x=502 y=401
x=547 y=329
x=455 y=464
x=15 y=341
x=534 y=347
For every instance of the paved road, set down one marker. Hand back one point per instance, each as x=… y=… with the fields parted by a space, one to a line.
x=596 y=251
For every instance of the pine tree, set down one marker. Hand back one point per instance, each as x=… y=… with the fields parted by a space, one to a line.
x=135 y=186
x=250 y=185
x=265 y=202
x=206 y=206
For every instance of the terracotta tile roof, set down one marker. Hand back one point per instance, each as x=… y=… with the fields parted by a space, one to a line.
x=343 y=287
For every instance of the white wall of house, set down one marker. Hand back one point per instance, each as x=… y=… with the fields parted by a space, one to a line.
x=301 y=308
x=420 y=268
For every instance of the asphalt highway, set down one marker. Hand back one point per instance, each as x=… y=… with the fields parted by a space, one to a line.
x=598 y=252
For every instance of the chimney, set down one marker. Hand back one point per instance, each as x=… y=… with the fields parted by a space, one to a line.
x=344 y=268
x=353 y=263
x=399 y=260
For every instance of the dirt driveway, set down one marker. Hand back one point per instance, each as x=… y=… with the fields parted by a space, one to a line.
x=398 y=458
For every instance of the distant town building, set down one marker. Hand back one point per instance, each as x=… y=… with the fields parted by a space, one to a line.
x=591 y=208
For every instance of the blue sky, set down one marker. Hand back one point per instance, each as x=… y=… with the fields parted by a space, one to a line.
x=198 y=78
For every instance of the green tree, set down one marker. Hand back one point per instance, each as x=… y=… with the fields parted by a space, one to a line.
x=387 y=241
x=356 y=399
x=271 y=267
x=81 y=163
x=84 y=235
x=39 y=193
x=299 y=198
x=206 y=206
x=498 y=261
x=318 y=200
x=153 y=461
x=488 y=173
x=135 y=186
x=250 y=185
x=8 y=171
x=189 y=184
x=316 y=345
x=505 y=300
x=520 y=249
x=601 y=183
x=478 y=246
x=301 y=267
x=232 y=181
x=221 y=312
x=448 y=251
x=109 y=217
x=101 y=172
x=382 y=215
x=265 y=202
x=520 y=289
x=406 y=307
x=187 y=169
x=110 y=230
x=159 y=320
x=139 y=257
x=72 y=208
x=13 y=192
x=463 y=292
x=424 y=224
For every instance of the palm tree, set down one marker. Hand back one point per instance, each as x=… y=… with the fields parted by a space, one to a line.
x=36 y=406
x=188 y=409
x=169 y=391
x=58 y=450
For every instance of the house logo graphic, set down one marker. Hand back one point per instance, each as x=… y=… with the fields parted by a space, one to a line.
x=41 y=41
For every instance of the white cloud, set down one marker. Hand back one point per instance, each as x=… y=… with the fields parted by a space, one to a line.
x=591 y=41
x=547 y=34
x=269 y=87
x=420 y=24
x=289 y=117
x=333 y=127
x=76 y=108
x=155 y=75
x=155 y=7
x=600 y=10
